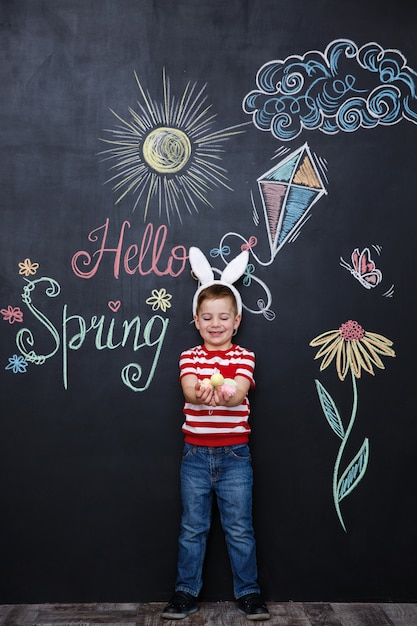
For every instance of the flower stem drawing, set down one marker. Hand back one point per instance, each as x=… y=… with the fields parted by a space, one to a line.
x=353 y=349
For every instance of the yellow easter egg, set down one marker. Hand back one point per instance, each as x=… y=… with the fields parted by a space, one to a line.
x=217 y=379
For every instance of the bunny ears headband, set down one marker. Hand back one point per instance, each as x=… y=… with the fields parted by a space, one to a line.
x=231 y=273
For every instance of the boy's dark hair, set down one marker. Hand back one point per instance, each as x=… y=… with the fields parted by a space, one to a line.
x=213 y=292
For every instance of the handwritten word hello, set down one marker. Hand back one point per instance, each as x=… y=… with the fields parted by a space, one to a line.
x=144 y=259
x=74 y=329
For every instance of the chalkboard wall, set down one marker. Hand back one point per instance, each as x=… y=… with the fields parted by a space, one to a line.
x=130 y=131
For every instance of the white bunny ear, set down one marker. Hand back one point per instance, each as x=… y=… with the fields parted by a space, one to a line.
x=205 y=274
x=234 y=270
x=200 y=266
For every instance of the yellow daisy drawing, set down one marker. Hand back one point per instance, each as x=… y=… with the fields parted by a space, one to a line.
x=27 y=268
x=353 y=348
x=159 y=300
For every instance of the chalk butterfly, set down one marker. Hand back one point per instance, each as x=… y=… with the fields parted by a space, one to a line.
x=363 y=268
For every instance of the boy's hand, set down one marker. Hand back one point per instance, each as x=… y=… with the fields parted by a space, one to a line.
x=220 y=399
x=204 y=394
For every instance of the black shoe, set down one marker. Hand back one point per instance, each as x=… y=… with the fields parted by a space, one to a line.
x=180 y=605
x=253 y=607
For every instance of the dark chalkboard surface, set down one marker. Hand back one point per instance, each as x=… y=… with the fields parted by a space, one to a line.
x=131 y=131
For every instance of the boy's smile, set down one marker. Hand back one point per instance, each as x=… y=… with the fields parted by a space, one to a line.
x=216 y=321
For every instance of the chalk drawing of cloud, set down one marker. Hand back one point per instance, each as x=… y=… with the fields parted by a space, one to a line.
x=343 y=89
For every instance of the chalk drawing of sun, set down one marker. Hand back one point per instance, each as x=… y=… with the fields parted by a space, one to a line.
x=166 y=155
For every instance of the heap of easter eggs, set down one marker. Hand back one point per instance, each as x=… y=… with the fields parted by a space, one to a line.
x=227 y=386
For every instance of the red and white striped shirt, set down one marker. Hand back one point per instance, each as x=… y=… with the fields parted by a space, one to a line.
x=217 y=425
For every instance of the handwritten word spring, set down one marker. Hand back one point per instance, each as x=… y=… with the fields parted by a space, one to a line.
x=144 y=259
x=74 y=330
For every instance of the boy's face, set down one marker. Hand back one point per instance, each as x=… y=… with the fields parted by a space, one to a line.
x=216 y=321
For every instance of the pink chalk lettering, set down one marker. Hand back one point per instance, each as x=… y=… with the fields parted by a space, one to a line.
x=144 y=259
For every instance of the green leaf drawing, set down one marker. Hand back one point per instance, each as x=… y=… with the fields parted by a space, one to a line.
x=330 y=410
x=354 y=472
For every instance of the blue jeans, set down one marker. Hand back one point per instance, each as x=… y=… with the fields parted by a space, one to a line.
x=226 y=472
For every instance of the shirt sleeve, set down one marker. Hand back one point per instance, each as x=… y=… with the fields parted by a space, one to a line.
x=187 y=365
x=246 y=367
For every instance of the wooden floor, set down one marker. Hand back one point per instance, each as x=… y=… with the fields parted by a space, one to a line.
x=209 y=614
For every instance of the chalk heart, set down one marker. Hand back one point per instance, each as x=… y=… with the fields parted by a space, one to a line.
x=114 y=305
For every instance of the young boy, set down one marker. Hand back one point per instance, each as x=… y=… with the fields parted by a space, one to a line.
x=216 y=458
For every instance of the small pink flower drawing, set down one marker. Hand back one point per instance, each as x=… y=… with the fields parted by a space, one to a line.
x=12 y=314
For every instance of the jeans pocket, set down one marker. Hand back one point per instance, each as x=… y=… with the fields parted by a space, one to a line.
x=241 y=452
x=187 y=451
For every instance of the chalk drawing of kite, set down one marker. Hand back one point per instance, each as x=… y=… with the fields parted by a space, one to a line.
x=167 y=153
x=288 y=191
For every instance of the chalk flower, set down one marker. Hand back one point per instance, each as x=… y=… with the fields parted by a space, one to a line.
x=247 y=278
x=27 y=268
x=17 y=363
x=159 y=300
x=352 y=348
x=12 y=314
